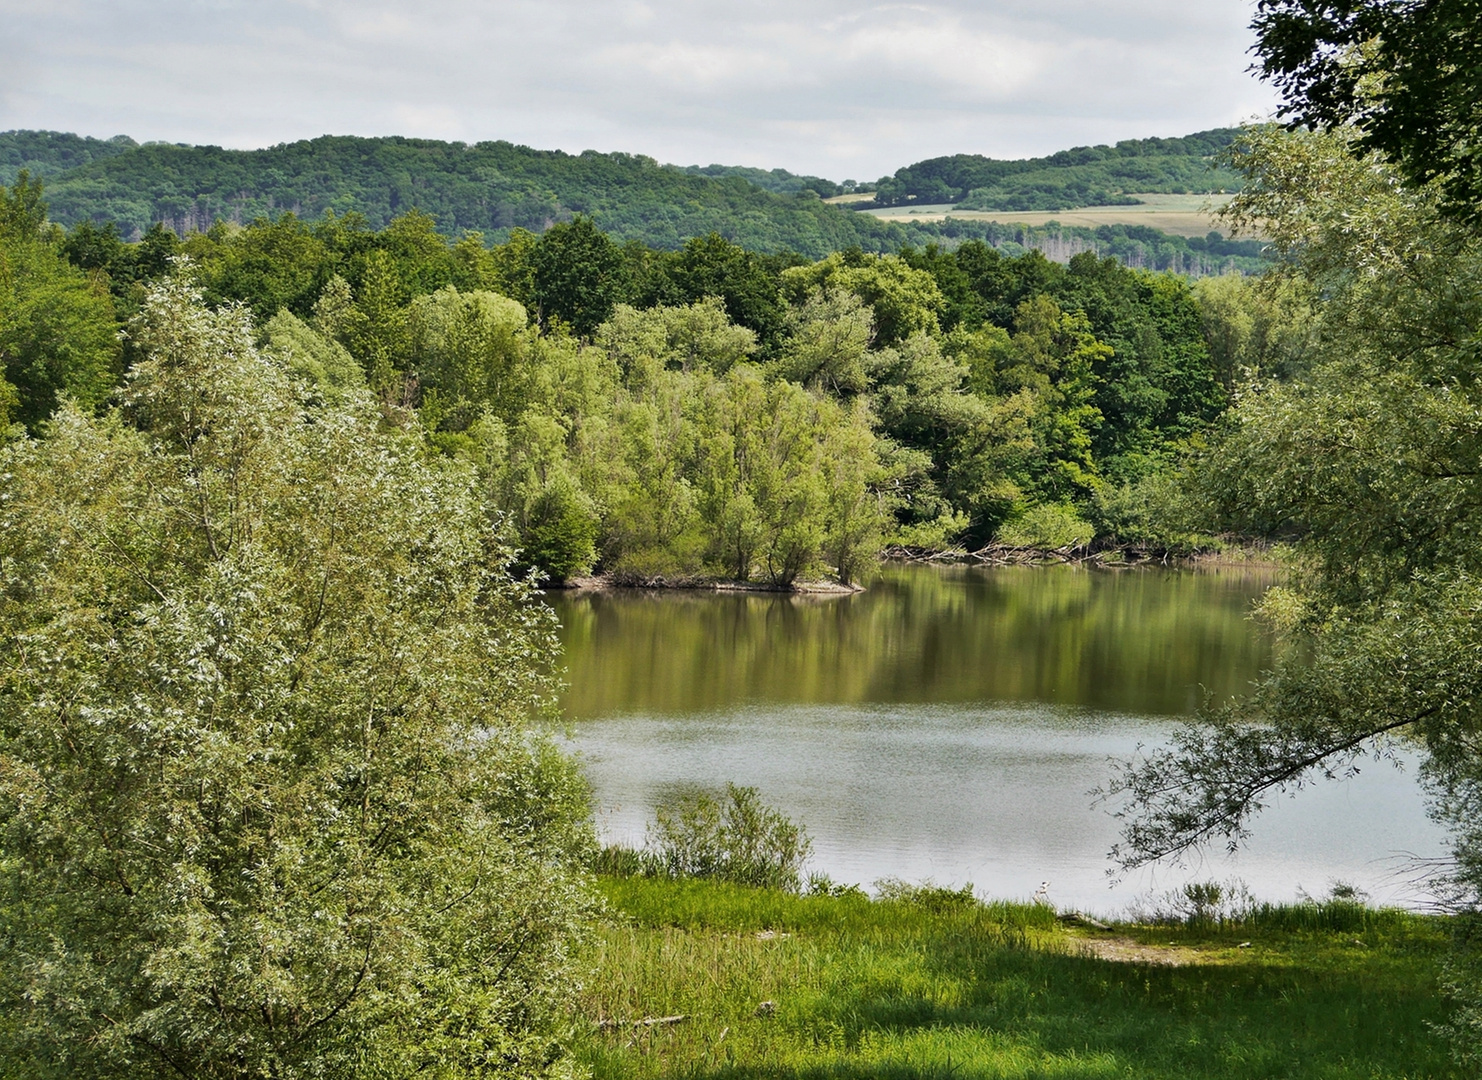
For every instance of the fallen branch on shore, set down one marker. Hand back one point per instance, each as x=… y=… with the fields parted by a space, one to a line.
x=1076 y=918
x=647 y=1021
x=1003 y=555
x=1094 y=553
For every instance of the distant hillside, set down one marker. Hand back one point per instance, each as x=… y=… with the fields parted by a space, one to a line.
x=776 y=180
x=1083 y=176
x=47 y=153
x=493 y=187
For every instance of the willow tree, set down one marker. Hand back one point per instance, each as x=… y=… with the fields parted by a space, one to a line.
x=271 y=801
x=1370 y=460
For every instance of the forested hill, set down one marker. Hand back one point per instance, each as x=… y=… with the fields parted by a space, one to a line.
x=491 y=187
x=1083 y=176
x=494 y=187
x=47 y=153
x=776 y=180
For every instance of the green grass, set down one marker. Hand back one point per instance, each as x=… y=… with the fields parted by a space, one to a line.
x=944 y=988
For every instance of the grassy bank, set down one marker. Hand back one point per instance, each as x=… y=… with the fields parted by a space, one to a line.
x=774 y=985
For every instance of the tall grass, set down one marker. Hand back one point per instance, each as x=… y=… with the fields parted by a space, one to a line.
x=775 y=984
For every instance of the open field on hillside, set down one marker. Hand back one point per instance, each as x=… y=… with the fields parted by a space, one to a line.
x=1178 y=215
x=699 y=979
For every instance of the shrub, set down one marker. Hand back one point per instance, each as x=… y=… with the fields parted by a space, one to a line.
x=931 y=897
x=616 y=860
x=737 y=839
x=1155 y=512
x=1048 y=525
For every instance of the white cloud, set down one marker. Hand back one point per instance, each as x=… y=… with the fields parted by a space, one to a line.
x=984 y=67
x=812 y=85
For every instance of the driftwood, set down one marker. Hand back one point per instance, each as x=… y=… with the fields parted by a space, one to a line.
x=1013 y=555
x=647 y=1021
x=1076 y=918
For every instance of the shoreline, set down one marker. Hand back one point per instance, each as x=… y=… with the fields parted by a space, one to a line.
x=1108 y=557
x=1111 y=557
x=611 y=583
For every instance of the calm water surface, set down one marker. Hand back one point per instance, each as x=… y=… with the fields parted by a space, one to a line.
x=949 y=722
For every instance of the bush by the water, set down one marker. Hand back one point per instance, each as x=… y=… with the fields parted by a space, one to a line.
x=737 y=838
x=1050 y=525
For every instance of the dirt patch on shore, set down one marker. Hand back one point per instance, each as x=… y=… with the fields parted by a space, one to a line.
x=1123 y=950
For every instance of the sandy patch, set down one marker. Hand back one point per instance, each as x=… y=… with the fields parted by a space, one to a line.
x=1123 y=950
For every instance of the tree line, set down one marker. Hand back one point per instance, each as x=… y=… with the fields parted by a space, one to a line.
x=494 y=188
x=705 y=411
x=1081 y=176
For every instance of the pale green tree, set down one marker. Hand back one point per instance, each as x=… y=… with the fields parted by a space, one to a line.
x=859 y=501
x=653 y=526
x=535 y=482
x=1255 y=327
x=760 y=475
x=374 y=329
x=271 y=801
x=831 y=332
x=904 y=300
x=788 y=484
x=321 y=361
x=730 y=451
x=694 y=337
x=468 y=351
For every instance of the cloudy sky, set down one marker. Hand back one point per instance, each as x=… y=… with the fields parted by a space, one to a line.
x=817 y=86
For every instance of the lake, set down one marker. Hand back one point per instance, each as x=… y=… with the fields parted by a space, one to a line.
x=949 y=723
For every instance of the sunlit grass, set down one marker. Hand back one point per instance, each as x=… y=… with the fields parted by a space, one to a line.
x=870 y=989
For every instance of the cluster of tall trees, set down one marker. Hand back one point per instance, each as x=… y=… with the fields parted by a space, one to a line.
x=709 y=410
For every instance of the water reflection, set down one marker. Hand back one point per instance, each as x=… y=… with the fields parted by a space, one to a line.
x=950 y=722
x=1139 y=641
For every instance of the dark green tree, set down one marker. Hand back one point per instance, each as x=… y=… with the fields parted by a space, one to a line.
x=268 y=266
x=579 y=275
x=58 y=336
x=748 y=285
x=1407 y=73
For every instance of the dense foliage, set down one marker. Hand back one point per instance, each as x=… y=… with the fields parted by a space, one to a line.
x=1407 y=74
x=270 y=799
x=47 y=153
x=1082 y=176
x=778 y=180
x=495 y=188
x=58 y=335
x=711 y=410
x=1364 y=453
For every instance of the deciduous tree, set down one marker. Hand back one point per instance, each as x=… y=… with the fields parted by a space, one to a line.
x=271 y=802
